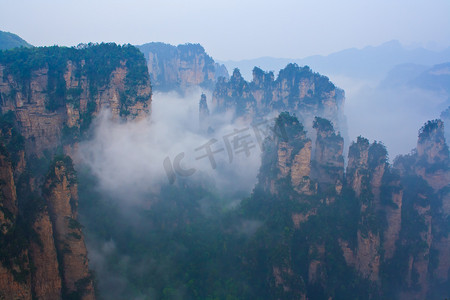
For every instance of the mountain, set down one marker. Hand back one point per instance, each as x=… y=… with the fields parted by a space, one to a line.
x=375 y=231
x=10 y=40
x=49 y=96
x=436 y=78
x=402 y=75
x=182 y=66
x=367 y=63
x=297 y=89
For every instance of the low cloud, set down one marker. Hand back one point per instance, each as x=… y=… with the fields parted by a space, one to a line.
x=392 y=116
x=129 y=158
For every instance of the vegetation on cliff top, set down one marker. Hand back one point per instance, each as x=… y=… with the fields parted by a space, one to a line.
x=95 y=62
x=430 y=127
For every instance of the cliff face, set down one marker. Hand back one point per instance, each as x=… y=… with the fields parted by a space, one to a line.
x=365 y=173
x=46 y=280
x=61 y=195
x=43 y=255
x=425 y=225
x=14 y=267
x=48 y=99
x=287 y=158
x=55 y=97
x=182 y=66
x=288 y=183
x=328 y=159
x=432 y=155
x=296 y=89
x=385 y=227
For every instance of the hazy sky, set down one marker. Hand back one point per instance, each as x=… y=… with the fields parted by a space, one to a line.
x=233 y=29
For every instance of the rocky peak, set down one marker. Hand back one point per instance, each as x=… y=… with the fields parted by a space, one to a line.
x=431 y=144
x=221 y=71
x=366 y=167
x=203 y=114
x=179 y=67
x=358 y=156
x=234 y=96
x=240 y=87
x=324 y=128
x=287 y=156
x=430 y=160
x=236 y=77
x=328 y=164
x=203 y=106
x=296 y=90
x=261 y=78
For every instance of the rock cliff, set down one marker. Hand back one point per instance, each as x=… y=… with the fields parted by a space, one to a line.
x=287 y=157
x=182 y=66
x=61 y=194
x=46 y=279
x=425 y=214
x=55 y=92
x=48 y=99
x=445 y=117
x=384 y=226
x=296 y=89
x=328 y=159
x=203 y=111
x=14 y=268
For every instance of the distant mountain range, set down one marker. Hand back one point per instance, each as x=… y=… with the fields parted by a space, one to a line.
x=10 y=40
x=435 y=78
x=367 y=63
